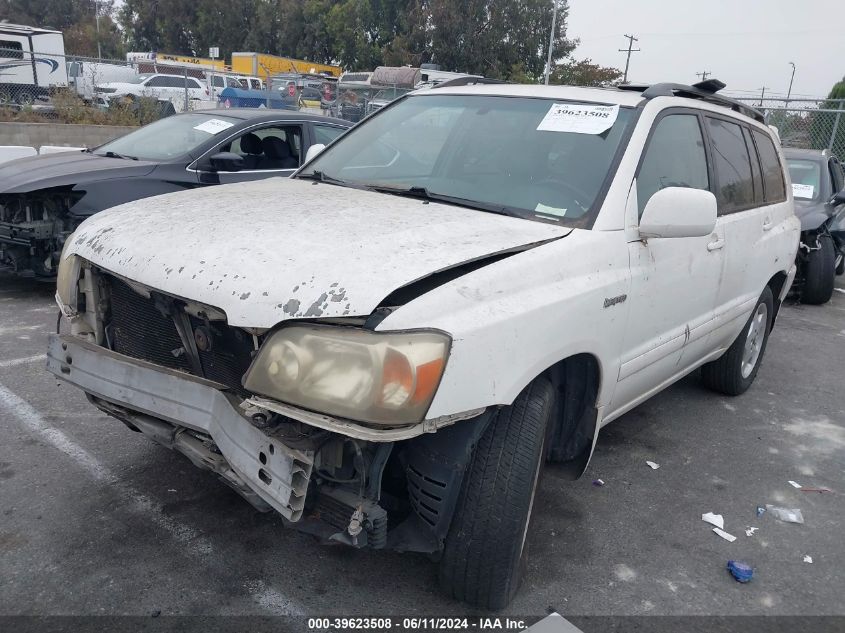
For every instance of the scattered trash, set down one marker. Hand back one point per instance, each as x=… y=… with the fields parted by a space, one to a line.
x=598 y=482
x=794 y=484
x=714 y=519
x=839 y=290
x=742 y=572
x=730 y=538
x=803 y=489
x=785 y=514
x=808 y=559
x=652 y=465
x=171 y=490
x=760 y=511
x=749 y=531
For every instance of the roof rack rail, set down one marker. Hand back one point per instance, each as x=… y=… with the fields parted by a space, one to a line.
x=704 y=90
x=467 y=81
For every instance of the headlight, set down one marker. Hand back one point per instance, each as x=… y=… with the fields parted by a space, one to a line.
x=67 y=280
x=378 y=377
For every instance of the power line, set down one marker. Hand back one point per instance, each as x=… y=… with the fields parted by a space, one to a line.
x=629 y=50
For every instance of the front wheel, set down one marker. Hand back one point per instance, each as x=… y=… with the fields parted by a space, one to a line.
x=733 y=373
x=819 y=273
x=485 y=549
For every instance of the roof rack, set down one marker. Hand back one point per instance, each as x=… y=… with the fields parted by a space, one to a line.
x=704 y=90
x=467 y=81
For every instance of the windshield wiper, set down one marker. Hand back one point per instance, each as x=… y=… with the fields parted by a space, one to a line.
x=424 y=194
x=322 y=177
x=111 y=154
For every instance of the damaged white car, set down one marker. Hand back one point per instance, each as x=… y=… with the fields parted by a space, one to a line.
x=386 y=348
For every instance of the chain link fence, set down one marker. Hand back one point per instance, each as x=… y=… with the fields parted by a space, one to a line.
x=37 y=87
x=806 y=123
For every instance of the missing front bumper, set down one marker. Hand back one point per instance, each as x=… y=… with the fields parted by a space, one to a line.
x=166 y=403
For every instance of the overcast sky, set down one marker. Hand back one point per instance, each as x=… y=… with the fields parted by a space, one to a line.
x=745 y=43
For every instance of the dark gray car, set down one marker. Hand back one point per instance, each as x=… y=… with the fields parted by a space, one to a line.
x=43 y=199
x=818 y=187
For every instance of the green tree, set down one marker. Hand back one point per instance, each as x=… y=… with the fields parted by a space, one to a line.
x=585 y=73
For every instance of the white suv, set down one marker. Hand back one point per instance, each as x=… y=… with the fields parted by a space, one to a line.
x=387 y=347
x=158 y=86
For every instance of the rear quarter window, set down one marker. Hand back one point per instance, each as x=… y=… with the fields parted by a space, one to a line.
x=774 y=186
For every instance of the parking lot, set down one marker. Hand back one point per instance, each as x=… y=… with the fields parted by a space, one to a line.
x=98 y=520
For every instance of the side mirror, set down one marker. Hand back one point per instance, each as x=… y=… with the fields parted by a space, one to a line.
x=312 y=152
x=838 y=198
x=679 y=212
x=226 y=161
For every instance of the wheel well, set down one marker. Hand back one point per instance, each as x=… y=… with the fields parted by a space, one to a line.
x=576 y=380
x=776 y=286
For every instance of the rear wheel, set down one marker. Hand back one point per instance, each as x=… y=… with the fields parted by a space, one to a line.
x=5 y=96
x=486 y=547
x=25 y=98
x=819 y=273
x=733 y=373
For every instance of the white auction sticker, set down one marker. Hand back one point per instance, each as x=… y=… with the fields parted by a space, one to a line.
x=213 y=126
x=580 y=119
x=802 y=191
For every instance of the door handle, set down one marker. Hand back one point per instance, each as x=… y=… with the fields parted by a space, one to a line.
x=716 y=244
x=768 y=224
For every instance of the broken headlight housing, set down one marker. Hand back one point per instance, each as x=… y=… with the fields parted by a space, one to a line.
x=387 y=378
x=67 y=281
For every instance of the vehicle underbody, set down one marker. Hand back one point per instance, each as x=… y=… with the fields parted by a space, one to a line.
x=379 y=494
x=33 y=229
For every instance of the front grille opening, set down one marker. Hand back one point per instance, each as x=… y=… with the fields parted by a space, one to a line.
x=140 y=329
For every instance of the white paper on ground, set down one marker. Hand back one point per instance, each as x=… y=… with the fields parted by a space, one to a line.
x=794 y=484
x=802 y=191
x=652 y=465
x=808 y=559
x=213 y=126
x=579 y=118
x=714 y=519
x=728 y=537
x=750 y=531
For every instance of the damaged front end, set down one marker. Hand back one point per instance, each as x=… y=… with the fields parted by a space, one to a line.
x=176 y=371
x=34 y=227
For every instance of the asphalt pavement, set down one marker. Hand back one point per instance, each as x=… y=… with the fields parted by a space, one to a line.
x=97 y=520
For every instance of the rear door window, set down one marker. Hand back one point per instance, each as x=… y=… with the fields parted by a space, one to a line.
x=675 y=157
x=773 y=183
x=732 y=165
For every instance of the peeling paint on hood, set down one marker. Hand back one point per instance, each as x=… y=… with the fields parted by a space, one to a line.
x=277 y=249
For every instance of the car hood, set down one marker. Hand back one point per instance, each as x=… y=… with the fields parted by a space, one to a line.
x=277 y=249
x=812 y=213
x=66 y=168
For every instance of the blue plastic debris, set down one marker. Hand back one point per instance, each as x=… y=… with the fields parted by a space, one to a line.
x=742 y=572
x=760 y=511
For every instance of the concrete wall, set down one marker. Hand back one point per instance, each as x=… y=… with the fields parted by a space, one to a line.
x=38 y=134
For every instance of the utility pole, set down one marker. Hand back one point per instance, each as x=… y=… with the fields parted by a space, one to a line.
x=551 y=42
x=703 y=74
x=97 y=22
x=629 y=50
x=791 y=79
x=762 y=95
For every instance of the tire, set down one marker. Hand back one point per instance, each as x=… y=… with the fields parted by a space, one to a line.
x=486 y=546
x=5 y=96
x=819 y=273
x=25 y=98
x=733 y=373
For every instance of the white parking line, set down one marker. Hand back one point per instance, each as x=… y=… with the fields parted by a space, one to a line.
x=20 y=410
x=22 y=361
x=20 y=328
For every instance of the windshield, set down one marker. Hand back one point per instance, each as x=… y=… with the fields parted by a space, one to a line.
x=138 y=79
x=504 y=154
x=806 y=178
x=168 y=138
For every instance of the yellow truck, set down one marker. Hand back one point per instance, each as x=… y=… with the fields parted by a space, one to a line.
x=265 y=66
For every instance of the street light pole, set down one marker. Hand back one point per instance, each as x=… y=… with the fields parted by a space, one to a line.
x=791 y=79
x=551 y=42
x=97 y=22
